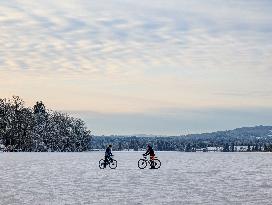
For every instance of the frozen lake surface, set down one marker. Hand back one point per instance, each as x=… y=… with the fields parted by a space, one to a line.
x=184 y=178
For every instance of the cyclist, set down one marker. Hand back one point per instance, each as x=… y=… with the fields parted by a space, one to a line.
x=150 y=151
x=108 y=155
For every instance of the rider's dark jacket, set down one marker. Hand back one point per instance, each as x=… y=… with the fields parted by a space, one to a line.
x=149 y=151
x=108 y=152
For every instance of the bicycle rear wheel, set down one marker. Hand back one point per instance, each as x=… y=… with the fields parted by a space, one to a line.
x=113 y=164
x=102 y=164
x=142 y=163
x=157 y=163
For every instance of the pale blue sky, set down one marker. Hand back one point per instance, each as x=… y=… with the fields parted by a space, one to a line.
x=175 y=66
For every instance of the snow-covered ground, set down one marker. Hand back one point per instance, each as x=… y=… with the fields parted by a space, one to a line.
x=184 y=178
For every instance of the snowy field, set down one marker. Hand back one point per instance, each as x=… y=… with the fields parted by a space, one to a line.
x=184 y=178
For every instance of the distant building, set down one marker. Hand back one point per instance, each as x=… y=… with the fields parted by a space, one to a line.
x=240 y=148
x=210 y=149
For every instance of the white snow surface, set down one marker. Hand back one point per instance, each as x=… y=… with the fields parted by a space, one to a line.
x=184 y=178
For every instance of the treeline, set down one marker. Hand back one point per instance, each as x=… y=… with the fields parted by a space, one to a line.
x=39 y=129
x=251 y=139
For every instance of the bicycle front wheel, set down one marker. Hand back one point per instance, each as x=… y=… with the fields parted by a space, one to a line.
x=157 y=163
x=113 y=164
x=142 y=163
x=102 y=164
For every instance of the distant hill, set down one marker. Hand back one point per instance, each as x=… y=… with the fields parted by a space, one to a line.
x=249 y=133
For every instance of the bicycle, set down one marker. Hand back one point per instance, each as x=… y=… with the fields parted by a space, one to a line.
x=111 y=162
x=142 y=163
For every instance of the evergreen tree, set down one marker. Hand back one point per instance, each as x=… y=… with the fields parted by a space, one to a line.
x=226 y=148
x=248 y=148
x=232 y=147
x=188 y=148
x=265 y=148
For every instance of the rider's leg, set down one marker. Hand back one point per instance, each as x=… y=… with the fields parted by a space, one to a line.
x=152 y=164
x=105 y=161
x=110 y=159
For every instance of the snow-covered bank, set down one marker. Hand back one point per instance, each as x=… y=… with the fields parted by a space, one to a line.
x=184 y=178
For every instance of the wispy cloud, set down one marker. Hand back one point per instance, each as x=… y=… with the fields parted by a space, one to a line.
x=120 y=36
x=131 y=56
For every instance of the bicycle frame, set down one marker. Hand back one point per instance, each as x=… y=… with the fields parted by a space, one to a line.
x=108 y=161
x=148 y=160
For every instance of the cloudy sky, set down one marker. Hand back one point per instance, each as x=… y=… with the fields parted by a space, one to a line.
x=154 y=66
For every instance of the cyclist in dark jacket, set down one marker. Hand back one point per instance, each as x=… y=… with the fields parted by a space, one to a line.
x=150 y=151
x=108 y=154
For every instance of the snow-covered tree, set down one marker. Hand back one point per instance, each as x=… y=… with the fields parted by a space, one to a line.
x=39 y=129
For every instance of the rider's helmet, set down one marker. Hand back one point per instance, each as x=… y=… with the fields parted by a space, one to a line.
x=148 y=146
x=110 y=145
